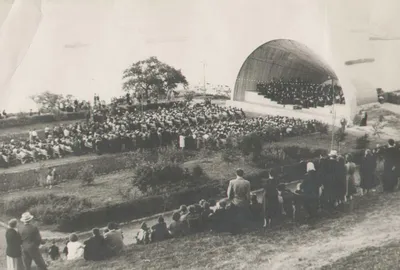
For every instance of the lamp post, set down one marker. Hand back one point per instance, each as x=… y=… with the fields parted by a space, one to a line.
x=333 y=113
x=204 y=78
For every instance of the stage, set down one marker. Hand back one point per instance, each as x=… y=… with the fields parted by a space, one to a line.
x=257 y=104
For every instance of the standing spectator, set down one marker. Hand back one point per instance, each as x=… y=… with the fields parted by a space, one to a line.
x=310 y=189
x=350 y=177
x=239 y=194
x=271 y=205
x=31 y=241
x=4 y=114
x=239 y=190
x=13 y=251
x=50 y=178
x=75 y=248
x=114 y=238
x=95 y=247
x=390 y=171
x=368 y=171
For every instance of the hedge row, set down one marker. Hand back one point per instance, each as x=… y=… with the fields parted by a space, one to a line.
x=148 y=206
x=37 y=119
x=136 y=209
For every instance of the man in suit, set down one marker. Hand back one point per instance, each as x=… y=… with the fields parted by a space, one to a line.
x=239 y=190
x=239 y=194
x=31 y=240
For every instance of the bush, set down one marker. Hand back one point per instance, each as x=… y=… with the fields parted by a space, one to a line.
x=47 y=208
x=136 y=208
x=155 y=177
x=251 y=144
x=230 y=155
x=87 y=175
x=362 y=142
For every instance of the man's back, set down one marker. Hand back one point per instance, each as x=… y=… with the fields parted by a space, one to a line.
x=115 y=240
x=239 y=191
x=30 y=236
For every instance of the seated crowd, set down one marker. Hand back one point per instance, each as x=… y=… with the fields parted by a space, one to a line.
x=301 y=92
x=326 y=183
x=189 y=127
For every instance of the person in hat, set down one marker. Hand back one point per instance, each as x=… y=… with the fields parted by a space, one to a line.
x=31 y=241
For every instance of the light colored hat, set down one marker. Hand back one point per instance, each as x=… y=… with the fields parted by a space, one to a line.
x=333 y=153
x=26 y=217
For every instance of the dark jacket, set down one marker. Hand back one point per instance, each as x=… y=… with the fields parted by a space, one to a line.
x=96 y=249
x=14 y=242
x=30 y=236
x=159 y=232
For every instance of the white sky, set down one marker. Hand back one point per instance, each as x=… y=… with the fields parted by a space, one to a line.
x=82 y=46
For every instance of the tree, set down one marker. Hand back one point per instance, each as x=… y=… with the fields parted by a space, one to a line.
x=151 y=78
x=188 y=96
x=47 y=100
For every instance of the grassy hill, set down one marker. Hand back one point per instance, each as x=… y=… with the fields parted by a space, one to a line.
x=339 y=241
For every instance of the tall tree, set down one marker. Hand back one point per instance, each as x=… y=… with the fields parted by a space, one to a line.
x=151 y=78
x=47 y=100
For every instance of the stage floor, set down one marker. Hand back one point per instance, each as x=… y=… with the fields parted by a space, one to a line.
x=321 y=114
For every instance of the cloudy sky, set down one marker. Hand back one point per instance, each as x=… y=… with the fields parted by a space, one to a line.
x=81 y=47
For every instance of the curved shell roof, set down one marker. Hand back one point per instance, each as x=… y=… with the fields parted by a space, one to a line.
x=280 y=58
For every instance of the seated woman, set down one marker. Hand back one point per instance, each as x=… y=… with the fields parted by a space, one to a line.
x=143 y=235
x=159 y=232
x=75 y=248
x=96 y=248
x=177 y=228
x=194 y=219
x=255 y=208
x=114 y=238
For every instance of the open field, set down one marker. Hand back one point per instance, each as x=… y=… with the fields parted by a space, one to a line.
x=21 y=133
x=328 y=241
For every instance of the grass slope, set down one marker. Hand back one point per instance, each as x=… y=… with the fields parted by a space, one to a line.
x=288 y=246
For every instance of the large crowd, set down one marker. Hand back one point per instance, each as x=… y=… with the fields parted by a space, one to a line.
x=186 y=126
x=327 y=183
x=301 y=92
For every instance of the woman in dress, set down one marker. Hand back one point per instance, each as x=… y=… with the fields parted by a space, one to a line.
x=350 y=179
x=368 y=171
x=13 y=251
x=271 y=205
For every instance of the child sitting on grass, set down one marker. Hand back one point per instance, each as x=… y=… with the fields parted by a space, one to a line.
x=54 y=251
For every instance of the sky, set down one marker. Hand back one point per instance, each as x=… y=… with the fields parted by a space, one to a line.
x=81 y=47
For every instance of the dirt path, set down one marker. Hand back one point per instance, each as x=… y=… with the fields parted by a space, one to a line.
x=343 y=237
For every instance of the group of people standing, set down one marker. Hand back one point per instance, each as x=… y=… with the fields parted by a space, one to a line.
x=327 y=183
